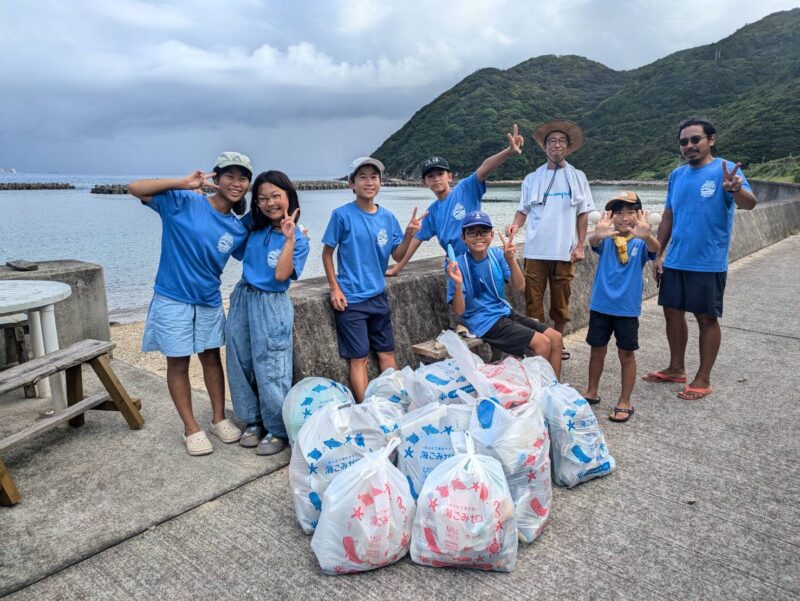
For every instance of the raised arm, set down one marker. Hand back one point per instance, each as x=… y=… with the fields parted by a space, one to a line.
x=515 y=142
x=285 y=266
x=457 y=302
x=401 y=250
x=145 y=189
x=510 y=254
x=732 y=183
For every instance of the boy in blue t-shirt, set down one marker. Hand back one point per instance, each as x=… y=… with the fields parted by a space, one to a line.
x=624 y=241
x=445 y=215
x=365 y=235
x=476 y=291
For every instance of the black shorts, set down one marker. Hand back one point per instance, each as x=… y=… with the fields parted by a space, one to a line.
x=513 y=334
x=363 y=326
x=698 y=292
x=625 y=329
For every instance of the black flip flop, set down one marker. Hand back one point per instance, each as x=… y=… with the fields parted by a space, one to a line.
x=621 y=410
x=565 y=354
x=592 y=401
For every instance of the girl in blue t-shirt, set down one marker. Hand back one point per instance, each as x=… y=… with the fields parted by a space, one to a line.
x=199 y=234
x=259 y=326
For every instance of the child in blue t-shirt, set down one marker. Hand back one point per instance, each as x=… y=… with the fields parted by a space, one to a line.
x=260 y=318
x=476 y=291
x=444 y=217
x=624 y=241
x=365 y=235
x=186 y=317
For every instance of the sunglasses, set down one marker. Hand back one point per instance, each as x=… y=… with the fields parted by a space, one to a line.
x=693 y=140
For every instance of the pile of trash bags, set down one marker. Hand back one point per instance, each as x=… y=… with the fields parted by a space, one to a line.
x=452 y=462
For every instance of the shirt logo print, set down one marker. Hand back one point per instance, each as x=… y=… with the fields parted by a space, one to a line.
x=272 y=257
x=459 y=212
x=225 y=243
x=382 y=237
x=708 y=188
x=634 y=251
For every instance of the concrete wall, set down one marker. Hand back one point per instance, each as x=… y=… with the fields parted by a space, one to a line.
x=417 y=296
x=85 y=313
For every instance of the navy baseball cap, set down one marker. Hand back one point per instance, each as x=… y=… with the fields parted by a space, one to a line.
x=432 y=163
x=476 y=218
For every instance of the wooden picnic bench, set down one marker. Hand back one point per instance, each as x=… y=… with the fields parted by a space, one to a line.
x=69 y=360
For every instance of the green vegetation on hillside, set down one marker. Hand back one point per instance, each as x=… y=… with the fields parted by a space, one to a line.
x=786 y=170
x=747 y=83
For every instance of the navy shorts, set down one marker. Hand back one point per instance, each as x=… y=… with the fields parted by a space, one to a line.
x=625 y=330
x=364 y=326
x=512 y=334
x=698 y=292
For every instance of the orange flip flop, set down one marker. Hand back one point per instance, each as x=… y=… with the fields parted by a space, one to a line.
x=660 y=376
x=698 y=393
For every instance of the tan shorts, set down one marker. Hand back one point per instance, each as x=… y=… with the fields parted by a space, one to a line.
x=559 y=274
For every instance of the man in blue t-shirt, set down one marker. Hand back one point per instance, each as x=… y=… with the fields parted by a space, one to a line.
x=445 y=215
x=476 y=291
x=624 y=241
x=692 y=265
x=366 y=234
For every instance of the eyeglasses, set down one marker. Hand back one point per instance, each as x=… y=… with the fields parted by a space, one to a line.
x=262 y=200
x=693 y=140
x=557 y=142
x=478 y=233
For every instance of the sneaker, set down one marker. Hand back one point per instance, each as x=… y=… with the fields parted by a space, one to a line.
x=198 y=444
x=270 y=445
x=226 y=431
x=251 y=436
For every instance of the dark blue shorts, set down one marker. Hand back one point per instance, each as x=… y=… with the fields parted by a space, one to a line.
x=602 y=325
x=698 y=292
x=364 y=326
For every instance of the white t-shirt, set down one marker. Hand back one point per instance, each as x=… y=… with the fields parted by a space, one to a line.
x=550 y=224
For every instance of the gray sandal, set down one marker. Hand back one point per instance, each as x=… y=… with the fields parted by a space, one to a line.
x=251 y=436
x=270 y=445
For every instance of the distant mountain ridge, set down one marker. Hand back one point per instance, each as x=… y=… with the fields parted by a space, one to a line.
x=747 y=83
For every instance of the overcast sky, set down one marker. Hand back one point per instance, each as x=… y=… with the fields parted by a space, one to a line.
x=135 y=87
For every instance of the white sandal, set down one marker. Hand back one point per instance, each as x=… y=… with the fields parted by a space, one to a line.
x=226 y=431
x=198 y=444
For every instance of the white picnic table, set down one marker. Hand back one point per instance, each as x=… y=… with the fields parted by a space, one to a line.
x=37 y=299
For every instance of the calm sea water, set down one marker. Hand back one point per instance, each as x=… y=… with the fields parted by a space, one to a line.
x=123 y=236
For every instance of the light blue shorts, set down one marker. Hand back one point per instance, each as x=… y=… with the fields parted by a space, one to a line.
x=178 y=329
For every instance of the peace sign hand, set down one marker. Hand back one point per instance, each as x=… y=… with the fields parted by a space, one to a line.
x=642 y=229
x=730 y=181
x=605 y=227
x=288 y=224
x=515 y=141
x=197 y=180
x=415 y=223
x=509 y=248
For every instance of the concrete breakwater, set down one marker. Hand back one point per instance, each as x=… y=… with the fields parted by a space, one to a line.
x=35 y=186
x=333 y=184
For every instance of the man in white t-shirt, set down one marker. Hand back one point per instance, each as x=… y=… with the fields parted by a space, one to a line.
x=555 y=203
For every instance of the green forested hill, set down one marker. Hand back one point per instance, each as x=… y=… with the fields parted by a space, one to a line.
x=747 y=83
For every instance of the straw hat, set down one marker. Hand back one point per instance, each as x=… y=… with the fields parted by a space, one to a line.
x=573 y=131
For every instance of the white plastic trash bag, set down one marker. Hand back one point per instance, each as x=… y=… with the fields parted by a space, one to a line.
x=518 y=439
x=539 y=371
x=578 y=446
x=391 y=385
x=331 y=441
x=425 y=440
x=366 y=518
x=506 y=380
x=306 y=397
x=465 y=515
x=440 y=381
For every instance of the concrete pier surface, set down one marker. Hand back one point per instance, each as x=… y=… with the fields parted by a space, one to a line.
x=705 y=502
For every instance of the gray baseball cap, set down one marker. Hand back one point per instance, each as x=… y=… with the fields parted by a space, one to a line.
x=234 y=159
x=360 y=162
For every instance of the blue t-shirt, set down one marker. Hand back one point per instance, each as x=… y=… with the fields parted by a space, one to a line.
x=617 y=288
x=445 y=216
x=365 y=241
x=261 y=254
x=484 y=290
x=702 y=218
x=196 y=241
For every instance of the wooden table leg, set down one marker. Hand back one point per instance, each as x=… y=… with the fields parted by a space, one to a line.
x=75 y=393
x=9 y=495
x=117 y=392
